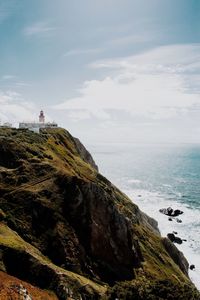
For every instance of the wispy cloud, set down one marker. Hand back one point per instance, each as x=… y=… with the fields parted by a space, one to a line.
x=22 y=84
x=39 y=29
x=132 y=39
x=8 y=77
x=11 y=81
x=168 y=59
x=14 y=108
x=74 y=52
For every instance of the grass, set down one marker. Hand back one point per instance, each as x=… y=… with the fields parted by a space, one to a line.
x=10 y=239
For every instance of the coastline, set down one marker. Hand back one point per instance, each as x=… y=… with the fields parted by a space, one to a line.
x=173 y=181
x=150 y=203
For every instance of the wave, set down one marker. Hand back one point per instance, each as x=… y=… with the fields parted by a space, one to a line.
x=167 y=185
x=189 y=229
x=135 y=181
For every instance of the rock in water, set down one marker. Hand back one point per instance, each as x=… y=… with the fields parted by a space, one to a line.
x=171 y=212
x=178 y=220
x=166 y=211
x=177 y=212
x=174 y=238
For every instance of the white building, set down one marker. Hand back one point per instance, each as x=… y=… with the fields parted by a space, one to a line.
x=5 y=125
x=36 y=126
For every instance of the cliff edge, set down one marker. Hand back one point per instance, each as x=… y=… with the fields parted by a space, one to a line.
x=66 y=232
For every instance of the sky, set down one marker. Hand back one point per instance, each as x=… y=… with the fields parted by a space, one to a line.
x=106 y=70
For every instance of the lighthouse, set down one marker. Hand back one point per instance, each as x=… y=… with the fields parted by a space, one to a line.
x=36 y=126
x=41 y=117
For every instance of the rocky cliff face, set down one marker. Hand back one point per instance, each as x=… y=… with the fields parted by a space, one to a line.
x=65 y=228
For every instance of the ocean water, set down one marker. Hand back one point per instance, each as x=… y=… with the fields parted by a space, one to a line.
x=159 y=176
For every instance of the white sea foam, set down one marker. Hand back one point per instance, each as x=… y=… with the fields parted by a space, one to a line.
x=189 y=229
x=135 y=181
x=167 y=185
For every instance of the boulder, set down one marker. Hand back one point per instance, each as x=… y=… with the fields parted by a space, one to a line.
x=192 y=267
x=174 y=238
x=178 y=220
x=171 y=212
x=166 y=211
x=177 y=212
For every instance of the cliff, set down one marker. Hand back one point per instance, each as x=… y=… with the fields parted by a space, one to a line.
x=66 y=232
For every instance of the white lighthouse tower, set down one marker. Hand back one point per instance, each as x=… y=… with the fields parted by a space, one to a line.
x=41 y=117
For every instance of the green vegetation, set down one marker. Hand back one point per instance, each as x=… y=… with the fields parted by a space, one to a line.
x=10 y=240
x=153 y=290
x=62 y=224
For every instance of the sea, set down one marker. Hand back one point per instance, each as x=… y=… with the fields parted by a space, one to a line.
x=156 y=176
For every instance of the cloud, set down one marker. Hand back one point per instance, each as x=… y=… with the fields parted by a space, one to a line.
x=158 y=97
x=11 y=81
x=38 y=29
x=76 y=116
x=82 y=51
x=8 y=77
x=22 y=84
x=14 y=108
x=153 y=85
x=169 y=59
x=132 y=39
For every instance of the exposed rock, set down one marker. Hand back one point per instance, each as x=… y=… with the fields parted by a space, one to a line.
x=118 y=251
x=25 y=262
x=171 y=212
x=150 y=221
x=178 y=220
x=177 y=212
x=176 y=255
x=192 y=267
x=174 y=238
x=2 y=215
x=166 y=211
x=84 y=154
x=15 y=289
x=22 y=291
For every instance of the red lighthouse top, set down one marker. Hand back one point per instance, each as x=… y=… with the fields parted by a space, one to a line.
x=41 y=117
